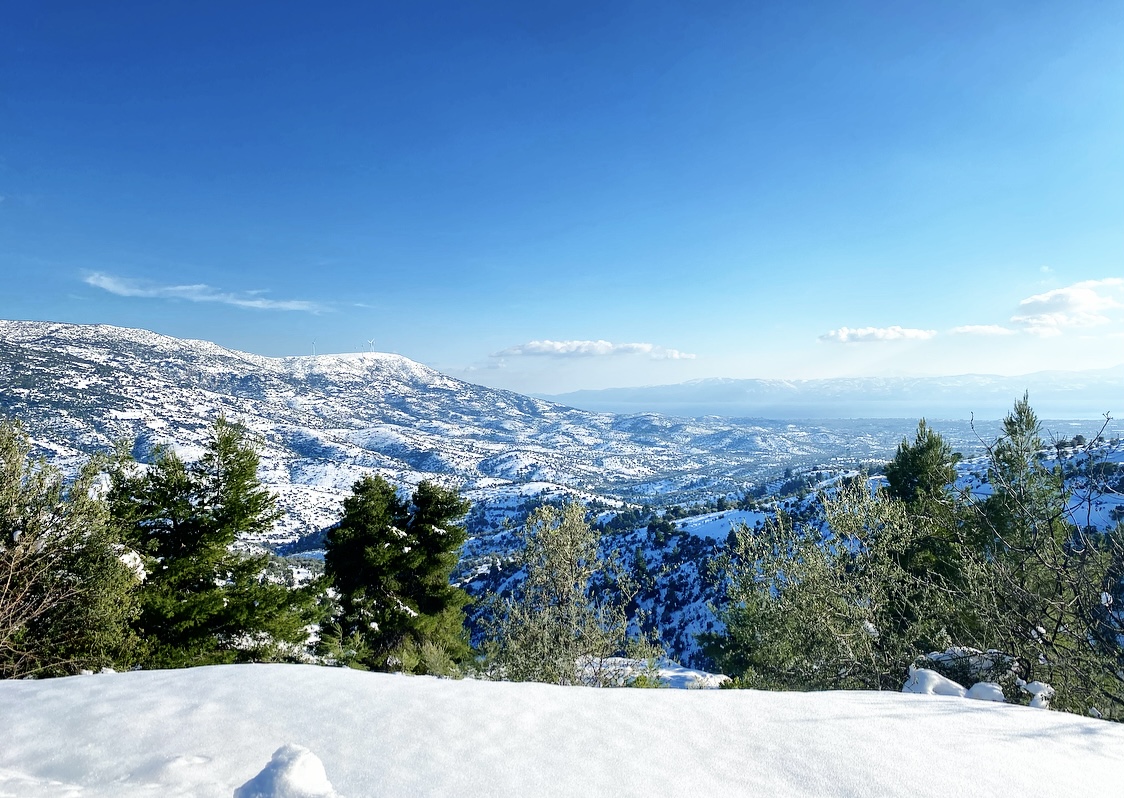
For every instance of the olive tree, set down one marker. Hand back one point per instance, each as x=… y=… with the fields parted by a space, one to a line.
x=565 y=623
x=66 y=593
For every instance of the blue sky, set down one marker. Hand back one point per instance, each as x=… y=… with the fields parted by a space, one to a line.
x=552 y=196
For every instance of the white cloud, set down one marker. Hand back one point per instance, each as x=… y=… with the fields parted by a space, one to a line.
x=124 y=286
x=659 y=353
x=600 y=348
x=1080 y=305
x=846 y=335
x=982 y=329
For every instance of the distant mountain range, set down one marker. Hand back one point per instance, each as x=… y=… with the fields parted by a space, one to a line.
x=1054 y=394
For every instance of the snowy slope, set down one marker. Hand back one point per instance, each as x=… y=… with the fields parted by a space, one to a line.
x=1094 y=476
x=717 y=525
x=207 y=731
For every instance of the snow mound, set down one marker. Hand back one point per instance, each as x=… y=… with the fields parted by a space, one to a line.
x=926 y=682
x=293 y=772
x=677 y=676
x=986 y=691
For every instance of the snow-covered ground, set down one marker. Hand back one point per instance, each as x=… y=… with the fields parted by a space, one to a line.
x=212 y=731
x=717 y=525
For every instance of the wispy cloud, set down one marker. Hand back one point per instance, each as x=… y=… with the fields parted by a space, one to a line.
x=565 y=349
x=1082 y=304
x=491 y=365
x=982 y=329
x=200 y=292
x=863 y=335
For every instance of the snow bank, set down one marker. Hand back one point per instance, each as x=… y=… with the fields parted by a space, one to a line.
x=208 y=731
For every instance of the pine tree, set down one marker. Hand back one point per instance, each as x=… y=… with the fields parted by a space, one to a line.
x=833 y=608
x=390 y=562
x=922 y=469
x=204 y=602
x=66 y=596
x=434 y=512
x=921 y=475
x=1029 y=500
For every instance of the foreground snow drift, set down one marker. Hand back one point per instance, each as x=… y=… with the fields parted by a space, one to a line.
x=210 y=731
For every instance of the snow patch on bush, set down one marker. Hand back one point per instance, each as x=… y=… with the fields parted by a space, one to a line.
x=923 y=681
x=986 y=691
x=1040 y=693
x=926 y=682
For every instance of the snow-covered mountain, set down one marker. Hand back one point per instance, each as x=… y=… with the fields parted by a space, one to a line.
x=325 y=420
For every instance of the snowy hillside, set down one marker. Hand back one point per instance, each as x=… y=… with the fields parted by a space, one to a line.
x=679 y=590
x=209 y=731
x=1094 y=475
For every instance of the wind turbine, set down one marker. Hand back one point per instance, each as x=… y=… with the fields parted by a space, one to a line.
x=371 y=344
x=314 y=348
